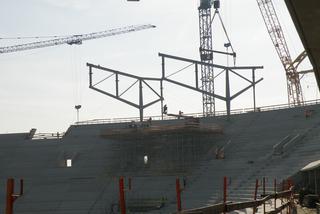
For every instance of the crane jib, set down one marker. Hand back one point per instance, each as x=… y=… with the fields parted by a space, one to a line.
x=75 y=39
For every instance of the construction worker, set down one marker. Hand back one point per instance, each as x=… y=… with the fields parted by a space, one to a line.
x=165 y=109
x=180 y=114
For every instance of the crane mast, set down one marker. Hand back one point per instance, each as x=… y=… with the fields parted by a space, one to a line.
x=272 y=23
x=75 y=39
x=207 y=72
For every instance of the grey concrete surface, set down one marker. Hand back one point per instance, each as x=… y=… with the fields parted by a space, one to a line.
x=91 y=184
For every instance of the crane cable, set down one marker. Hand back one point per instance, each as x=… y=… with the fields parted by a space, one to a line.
x=75 y=68
x=216 y=12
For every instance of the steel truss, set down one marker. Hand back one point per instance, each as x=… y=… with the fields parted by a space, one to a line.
x=142 y=81
x=227 y=70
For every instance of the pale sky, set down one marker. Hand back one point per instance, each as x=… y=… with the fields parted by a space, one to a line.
x=39 y=88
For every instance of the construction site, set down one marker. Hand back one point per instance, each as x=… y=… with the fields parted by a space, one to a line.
x=258 y=159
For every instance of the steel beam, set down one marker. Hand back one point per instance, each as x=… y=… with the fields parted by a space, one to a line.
x=195 y=89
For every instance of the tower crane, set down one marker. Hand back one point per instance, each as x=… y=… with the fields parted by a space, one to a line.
x=75 y=39
x=295 y=96
x=206 y=52
x=207 y=73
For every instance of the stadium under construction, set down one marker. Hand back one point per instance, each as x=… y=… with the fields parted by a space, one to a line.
x=254 y=160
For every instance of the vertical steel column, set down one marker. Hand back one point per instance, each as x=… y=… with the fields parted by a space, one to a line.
x=117 y=85
x=197 y=75
x=90 y=76
x=161 y=82
x=163 y=67
x=121 y=196
x=161 y=94
x=178 y=193
x=140 y=100
x=254 y=89
x=9 y=198
x=228 y=100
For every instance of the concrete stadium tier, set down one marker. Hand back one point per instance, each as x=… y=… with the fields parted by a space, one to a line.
x=79 y=173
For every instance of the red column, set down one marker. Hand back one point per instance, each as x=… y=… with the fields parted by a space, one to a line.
x=9 y=199
x=290 y=184
x=225 y=192
x=255 y=194
x=121 y=196
x=275 y=191
x=178 y=192
x=256 y=190
x=225 y=189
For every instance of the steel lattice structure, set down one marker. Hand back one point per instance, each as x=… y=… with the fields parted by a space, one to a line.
x=272 y=23
x=207 y=72
x=75 y=39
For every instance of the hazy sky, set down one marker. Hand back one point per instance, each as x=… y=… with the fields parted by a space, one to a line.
x=39 y=88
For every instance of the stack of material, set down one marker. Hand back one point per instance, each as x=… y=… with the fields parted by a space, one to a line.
x=191 y=126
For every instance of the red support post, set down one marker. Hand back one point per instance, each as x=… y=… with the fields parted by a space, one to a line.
x=255 y=194
x=225 y=186
x=9 y=198
x=283 y=188
x=256 y=190
x=291 y=197
x=275 y=192
x=178 y=192
x=290 y=183
x=121 y=196
x=264 y=193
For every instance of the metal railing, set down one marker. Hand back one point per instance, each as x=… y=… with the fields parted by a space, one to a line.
x=217 y=113
x=233 y=206
x=286 y=197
